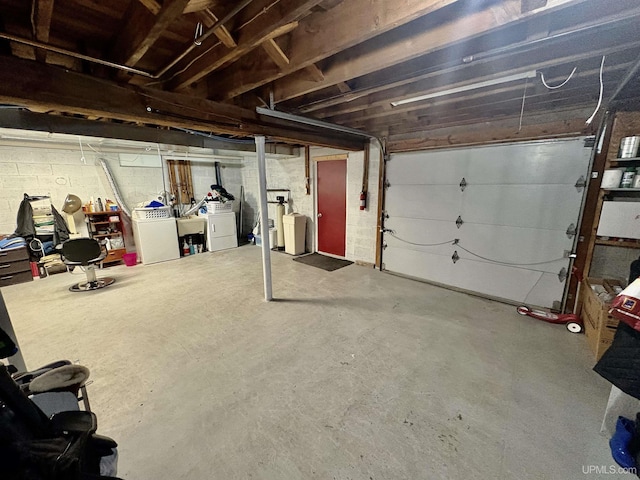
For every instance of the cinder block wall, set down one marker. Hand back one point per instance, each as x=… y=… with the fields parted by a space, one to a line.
x=289 y=173
x=54 y=172
x=57 y=172
x=285 y=173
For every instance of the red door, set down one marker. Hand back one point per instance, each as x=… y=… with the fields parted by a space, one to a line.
x=332 y=206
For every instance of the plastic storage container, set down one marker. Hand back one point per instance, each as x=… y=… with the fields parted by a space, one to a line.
x=130 y=259
x=295 y=227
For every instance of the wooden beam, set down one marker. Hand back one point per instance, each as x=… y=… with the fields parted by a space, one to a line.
x=42 y=14
x=274 y=22
x=307 y=170
x=313 y=72
x=143 y=29
x=413 y=43
x=34 y=85
x=275 y=53
x=152 y=5
x=208 y=19
x=343 y=87
x=435 y=70
x=329 y=158
x=324 y=34
x=483 y=134
x=378 y=104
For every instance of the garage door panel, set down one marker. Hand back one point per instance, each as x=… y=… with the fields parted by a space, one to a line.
x=547 y=287
x=518 y=203
x=508 y=283
x=516 y=245
x=438 y=202
x=444 y=167
x=512 y=245
x=418 y=230
x=559 y=162
x=534 y=206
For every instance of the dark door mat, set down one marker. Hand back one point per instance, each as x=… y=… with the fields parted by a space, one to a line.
x=322 y=261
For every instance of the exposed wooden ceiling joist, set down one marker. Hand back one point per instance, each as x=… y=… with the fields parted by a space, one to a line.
x=209 y=19
x=152 y=5
x=499 y=132
x=378 y=104
x=42 y=14
x=342 y=61
x=406 y=44
x=143 y=29
x=278 y=20
x=48 y=88
x=322 y=35
x=395 y=82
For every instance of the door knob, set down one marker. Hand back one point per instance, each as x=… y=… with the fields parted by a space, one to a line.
x=319 y=215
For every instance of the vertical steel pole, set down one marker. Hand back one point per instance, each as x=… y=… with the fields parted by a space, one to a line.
x=5 y=323
x=264 y=219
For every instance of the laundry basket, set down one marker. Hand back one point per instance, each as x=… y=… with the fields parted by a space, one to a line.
x=152 y=212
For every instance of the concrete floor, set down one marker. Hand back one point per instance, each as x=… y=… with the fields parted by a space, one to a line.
x=352 y=374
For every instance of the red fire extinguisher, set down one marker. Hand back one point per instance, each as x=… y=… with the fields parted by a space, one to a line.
x=363 y=200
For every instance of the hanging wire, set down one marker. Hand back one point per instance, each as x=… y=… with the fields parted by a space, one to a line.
x=458 y=245
x=524 y=96
x=507 y=263
x=198 y=34
x=590 y=119
x=421 y=244
x=557 y=86
x=82 y=159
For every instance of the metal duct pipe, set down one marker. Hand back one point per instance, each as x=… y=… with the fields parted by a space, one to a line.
x=114 y=187
x=62 y=51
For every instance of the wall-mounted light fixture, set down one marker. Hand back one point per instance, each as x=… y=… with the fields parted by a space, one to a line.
x=465 y=88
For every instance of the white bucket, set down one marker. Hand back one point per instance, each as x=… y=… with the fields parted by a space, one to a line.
x=629 y=147
x=611 y=178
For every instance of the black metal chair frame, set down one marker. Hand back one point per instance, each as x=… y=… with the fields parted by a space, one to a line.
x=28 y=432
x=85 y=253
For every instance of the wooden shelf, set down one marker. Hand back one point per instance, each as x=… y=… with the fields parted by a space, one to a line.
x=103 y=235
x=624 y=160
x=630 y=190
x=104 y=212
x=108 y=220
x=625 y=243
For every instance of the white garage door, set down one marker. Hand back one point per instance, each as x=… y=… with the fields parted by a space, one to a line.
x=492 y=220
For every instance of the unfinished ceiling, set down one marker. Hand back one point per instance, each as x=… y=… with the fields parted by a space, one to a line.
x=420 y=73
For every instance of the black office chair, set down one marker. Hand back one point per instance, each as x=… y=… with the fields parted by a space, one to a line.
x=85 y=253
x=33 y=446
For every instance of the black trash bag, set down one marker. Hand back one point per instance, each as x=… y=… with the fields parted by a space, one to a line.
x=7 y=347
x=620 y=364
x=25 y=227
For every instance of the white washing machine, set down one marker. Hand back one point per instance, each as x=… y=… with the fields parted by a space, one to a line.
x=221 y=231
x=156 y=239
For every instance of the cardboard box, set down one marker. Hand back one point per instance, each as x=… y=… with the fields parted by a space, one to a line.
x=599 y=326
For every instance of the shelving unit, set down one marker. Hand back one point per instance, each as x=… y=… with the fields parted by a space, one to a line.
x=108 y=225
x=625 y=124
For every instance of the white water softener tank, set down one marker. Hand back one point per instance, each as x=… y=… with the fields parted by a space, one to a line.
x=279 y=224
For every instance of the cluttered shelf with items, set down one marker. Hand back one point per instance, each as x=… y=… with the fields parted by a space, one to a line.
x=34 y=249
x=105 y=224
x=616 y=221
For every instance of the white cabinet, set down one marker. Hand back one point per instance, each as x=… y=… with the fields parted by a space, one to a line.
x=221 y=231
